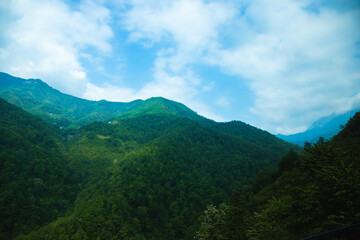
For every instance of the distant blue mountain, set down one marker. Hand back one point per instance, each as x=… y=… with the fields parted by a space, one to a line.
x=325 y=127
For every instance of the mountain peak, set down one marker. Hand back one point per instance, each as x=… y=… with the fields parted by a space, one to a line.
x=65 y=110
x=68 y=111
x=325 y=127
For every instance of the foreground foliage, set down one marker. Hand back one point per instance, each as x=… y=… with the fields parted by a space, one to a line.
x=315 y=191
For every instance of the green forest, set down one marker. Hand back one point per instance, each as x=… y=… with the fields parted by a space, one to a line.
x=311 y=192
x=155 y=169
x=146 y=177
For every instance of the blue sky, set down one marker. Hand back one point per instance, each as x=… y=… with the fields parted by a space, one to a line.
x=278 y=65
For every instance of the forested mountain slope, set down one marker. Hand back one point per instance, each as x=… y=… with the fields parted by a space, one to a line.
x=139 y=170
x=144 y=177
x=38 y=98
x=36 y=185
x=65 y=110
x=310 y=193
x=253 y=135
x=150 y=177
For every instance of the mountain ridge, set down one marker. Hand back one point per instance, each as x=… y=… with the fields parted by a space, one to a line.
x=72 y=112
x=65 y=110
x=311 y=195
x=145 y=177
x=150 y=173
x=325 y=127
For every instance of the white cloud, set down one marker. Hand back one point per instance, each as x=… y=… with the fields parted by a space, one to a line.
x=191 y=24
x=189 y=28
x=109 y=92
x=182 y=88
x=299 y=58
x=44 y=39
x=124 y=94
x=48 y=40
x=300 y=64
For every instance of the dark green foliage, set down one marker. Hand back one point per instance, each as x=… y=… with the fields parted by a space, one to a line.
x=35 y=184
x=148 y=172
x=150 y=177
x=310 y=193
x=147 y=177
x=253 y=135
x=289 y=161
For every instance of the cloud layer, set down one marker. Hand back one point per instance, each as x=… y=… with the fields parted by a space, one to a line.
x=300 y=59
x=45 y=39
x=185 y=29
x=301 y=63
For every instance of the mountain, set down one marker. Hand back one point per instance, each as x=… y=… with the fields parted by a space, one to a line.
x=155 y=169
x=325 y=127
x=64 y=110
x=146 y=177
x=36 y=184
x=314 y=193
x=139 y=170
x=150 y=177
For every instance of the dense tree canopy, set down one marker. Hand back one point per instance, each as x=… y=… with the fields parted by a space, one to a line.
x=151 y=175
x=310 y=193
x=36 y=185
x=144 y=177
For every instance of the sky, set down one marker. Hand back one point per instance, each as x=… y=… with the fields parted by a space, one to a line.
x=278 y=65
